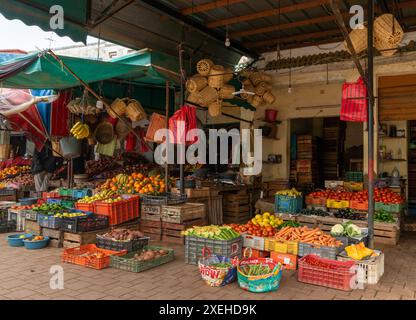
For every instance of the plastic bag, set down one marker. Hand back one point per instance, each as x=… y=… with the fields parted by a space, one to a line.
x=354 y=106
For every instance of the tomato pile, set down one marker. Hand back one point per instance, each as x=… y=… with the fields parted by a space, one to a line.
x=387 y=196
x=360 y=196
x=254 y=230
x=315 y=261
x=384 y=195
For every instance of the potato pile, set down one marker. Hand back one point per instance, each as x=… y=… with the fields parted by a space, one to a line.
x=123 y=235
x=149 y=254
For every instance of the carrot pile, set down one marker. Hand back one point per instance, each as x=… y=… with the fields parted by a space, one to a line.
x=308 y=235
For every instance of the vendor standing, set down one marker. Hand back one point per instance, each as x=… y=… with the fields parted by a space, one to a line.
x=44 y=165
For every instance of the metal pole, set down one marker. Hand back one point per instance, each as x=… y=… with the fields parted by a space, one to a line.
x=370 y=75
x=181 y=171
x=167 y=138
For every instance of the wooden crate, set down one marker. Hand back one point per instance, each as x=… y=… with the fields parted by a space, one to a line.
x=71 y=240
x=171 y=232
x=183 y=212
x=56 y=237
x=33 y=227
x=384 y=233
x=306 y=166
x=151 y=212
x=131 y=225
x=197 y=192
x=214 y=210
x=152 y=229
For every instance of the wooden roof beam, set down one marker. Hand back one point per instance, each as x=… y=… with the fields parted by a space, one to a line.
x=285 y=26
x=267 y=13
x=299 y=37
x=209 y=6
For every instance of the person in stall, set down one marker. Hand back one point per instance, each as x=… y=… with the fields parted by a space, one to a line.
x=44 y=165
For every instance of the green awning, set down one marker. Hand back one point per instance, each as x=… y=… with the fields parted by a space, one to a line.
x=36 y=13
x=159 y=67
x=47 y=73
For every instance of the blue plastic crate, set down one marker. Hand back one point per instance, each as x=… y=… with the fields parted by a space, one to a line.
x=27 y=201
x=286 y=204
x=49 y=221
x=81 y=193
x=53 y=200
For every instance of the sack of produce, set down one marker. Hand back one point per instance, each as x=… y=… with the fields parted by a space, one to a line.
x=217 y=271
x=259 y=274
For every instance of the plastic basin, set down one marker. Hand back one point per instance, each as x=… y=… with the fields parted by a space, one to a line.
x=34 y=245
x=14 y=240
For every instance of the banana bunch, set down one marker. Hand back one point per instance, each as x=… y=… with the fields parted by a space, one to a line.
x=290 y=193
x=80 y=130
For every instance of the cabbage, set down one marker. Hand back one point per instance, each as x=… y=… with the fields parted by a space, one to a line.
x=337 y=230
x=351 y=230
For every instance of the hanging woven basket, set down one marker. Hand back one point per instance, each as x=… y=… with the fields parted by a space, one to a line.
x=118 y=106
x=194 y=98
x=204 y=66
x=248 y=86
x=122 y=129
x=207 y=95
x=135 y=111
x=228 y=74
x=196 y=83
x=226 y=92
x=104 y=133
x=359 y=40
x=387 y=34
x=256 y=78
x=214 y=108
x=261 y=88
x=257 y=101
x=269 y=97
x=216 y=77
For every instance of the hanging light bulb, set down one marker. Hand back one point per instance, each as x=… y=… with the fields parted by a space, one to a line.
x=289 y=90
x=227 y=38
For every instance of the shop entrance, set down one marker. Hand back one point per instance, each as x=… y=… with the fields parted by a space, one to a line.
x=325 y=149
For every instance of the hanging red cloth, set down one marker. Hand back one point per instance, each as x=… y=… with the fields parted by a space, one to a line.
x=59 y=115
x=142 y=142
x=131 y=142
x=186 y=114
x=354 y=106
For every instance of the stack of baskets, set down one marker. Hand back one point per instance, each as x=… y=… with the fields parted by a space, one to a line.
x=209 y=87
x=387 y=36
x=260 y=84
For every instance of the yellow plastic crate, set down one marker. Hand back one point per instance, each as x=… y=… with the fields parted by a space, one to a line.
x=334 y=204
x=281 y=246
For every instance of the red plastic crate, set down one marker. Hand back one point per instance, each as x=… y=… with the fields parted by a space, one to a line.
x=121 y=211
x=52 y=194
x=359 y=205
x=85 y=206
x=318 y=201
x=79 y=256
x=338 y=275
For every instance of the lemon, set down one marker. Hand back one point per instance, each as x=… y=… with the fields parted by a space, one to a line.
x=266 y=214
x=258 y=216
x=254 y=221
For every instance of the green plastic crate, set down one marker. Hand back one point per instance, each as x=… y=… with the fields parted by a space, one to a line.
x=392 y=208
x=65 y=192
x=356 y=176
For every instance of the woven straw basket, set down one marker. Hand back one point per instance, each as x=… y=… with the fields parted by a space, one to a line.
x=248 y=86
x=226 y=92
x=104 y=133
x=135 y=111
x=194 y=98
x=228 y=74
x=256 y=78
x=359 y=40
x=196 y=83
x=118 y=106
x=214 y=108
x=216 y=77
x=388 y=34
x=269 y=97
x=266 y=77
x=257 y=101
x=204 y=66
x=261 y=88
x=207 y=95
x=122 y=129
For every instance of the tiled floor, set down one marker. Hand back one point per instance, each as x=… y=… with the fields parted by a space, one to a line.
x=25 y=274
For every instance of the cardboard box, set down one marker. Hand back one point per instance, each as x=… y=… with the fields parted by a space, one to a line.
x=289 y=261
x=256 y=253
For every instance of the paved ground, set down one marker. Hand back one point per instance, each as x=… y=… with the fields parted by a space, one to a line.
x=25 y=274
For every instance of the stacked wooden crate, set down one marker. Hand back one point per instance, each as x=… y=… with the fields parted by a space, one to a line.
x=271 y=187
x=307 y=164
x=166 y=222
x=236 y=207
